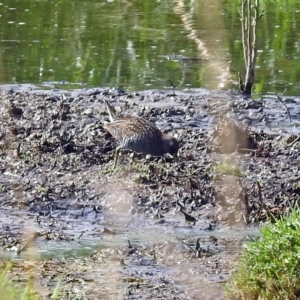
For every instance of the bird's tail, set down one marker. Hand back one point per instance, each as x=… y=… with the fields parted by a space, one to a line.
x=111 y=111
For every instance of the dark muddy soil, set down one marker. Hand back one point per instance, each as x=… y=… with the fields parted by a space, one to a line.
x=66 y=214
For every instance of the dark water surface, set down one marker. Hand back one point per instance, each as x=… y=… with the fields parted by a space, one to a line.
x=129 y=43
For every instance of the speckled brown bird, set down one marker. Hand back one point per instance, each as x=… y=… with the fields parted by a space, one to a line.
x=139 y=135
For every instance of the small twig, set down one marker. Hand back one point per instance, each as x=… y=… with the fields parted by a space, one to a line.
x=171 y=83
x=245 y=198
x=19 y=154
x=287 y=110
x=294 y=142
x=243 y=21
x=183 y=242
x=260 y=197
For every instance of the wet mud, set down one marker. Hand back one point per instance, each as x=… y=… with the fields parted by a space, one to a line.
x=152 y=228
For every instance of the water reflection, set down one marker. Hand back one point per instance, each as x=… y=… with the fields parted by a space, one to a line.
x=207 y=32
x=126 y=44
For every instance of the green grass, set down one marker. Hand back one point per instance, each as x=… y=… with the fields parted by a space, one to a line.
x=10 y=290
x=269 y=267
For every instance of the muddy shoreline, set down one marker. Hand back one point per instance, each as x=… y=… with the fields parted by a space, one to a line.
x=60 y=198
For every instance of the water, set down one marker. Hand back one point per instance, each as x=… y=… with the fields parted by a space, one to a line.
x=71 y=44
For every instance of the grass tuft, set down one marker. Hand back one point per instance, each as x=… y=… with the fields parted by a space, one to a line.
x=10 y=290
x=269 y=267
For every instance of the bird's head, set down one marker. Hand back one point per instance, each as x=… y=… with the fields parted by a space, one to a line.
x=172 y=147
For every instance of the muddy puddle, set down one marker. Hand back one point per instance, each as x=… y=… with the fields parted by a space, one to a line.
x=152 y=228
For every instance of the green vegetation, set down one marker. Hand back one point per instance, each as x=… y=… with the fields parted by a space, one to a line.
x=101 y=44
x=269 y=267
x=9 y=290
x=227 y=169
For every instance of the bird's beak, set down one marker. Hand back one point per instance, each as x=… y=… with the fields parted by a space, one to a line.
x=175 y=157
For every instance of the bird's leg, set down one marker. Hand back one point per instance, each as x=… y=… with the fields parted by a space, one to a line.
x=117 y=152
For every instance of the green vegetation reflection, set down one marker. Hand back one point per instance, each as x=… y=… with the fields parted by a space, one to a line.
x=127 y=44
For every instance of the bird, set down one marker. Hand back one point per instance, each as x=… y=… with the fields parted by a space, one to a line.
x=139 y=135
